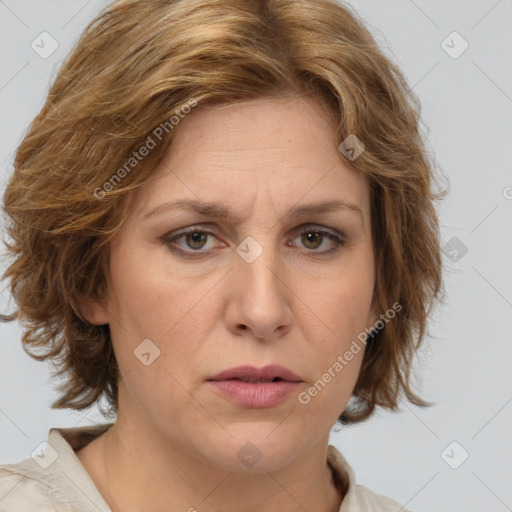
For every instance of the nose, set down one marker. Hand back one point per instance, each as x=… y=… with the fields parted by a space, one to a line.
x=259 y=302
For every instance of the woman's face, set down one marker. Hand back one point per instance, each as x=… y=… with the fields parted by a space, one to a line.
x=266 y=276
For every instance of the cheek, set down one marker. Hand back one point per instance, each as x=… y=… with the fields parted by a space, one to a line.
x=326 y=397
x=342 y=302
x=343 y=308
x=152 y=327
x=152 y=300
x=148 y=295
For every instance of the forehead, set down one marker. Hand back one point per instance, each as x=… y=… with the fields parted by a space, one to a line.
x=278 y=124
x=273 y=150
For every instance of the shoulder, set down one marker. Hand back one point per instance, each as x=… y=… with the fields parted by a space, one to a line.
x=369 y=501
x=53 y=479
x=24 y=486
x=357 y=498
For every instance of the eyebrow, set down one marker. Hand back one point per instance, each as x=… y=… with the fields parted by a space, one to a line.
x=222 y=212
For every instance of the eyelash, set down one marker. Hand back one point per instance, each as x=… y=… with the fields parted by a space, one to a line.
x=170 y=238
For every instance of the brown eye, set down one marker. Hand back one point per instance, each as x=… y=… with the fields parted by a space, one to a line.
x=192 y=242
x=312 y=240
x=317 y=239
x=196 y=239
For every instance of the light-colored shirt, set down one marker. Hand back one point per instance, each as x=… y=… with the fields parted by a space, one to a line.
x=54 y=480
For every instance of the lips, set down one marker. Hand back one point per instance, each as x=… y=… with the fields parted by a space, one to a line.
x=255 y=388
x=271 y=373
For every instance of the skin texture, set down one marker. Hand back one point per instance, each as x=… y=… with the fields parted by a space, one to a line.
x=175 y=443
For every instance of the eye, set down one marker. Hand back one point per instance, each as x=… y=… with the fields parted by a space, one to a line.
x=315 y=239
x=193 y=240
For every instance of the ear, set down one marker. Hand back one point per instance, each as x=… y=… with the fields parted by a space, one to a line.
x=95 y=311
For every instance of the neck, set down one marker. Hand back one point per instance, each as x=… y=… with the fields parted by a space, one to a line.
x=136 y=469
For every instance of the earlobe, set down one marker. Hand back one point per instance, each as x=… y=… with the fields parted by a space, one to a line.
x=94 y=311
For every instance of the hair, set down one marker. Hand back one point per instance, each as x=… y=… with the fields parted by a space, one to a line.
x=67 y=196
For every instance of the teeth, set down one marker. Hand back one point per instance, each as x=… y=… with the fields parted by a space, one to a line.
x=255 y=381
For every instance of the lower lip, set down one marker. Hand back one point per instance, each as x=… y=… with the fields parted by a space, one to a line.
x=255 y=395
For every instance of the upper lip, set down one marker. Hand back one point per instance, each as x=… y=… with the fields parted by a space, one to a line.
x=265 y=373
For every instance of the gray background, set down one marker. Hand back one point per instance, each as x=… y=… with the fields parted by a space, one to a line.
x=465 y=366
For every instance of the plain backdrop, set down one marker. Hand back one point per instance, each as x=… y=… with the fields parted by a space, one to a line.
x=457 y=57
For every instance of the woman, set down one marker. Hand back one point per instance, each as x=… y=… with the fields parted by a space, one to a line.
x=222 y=222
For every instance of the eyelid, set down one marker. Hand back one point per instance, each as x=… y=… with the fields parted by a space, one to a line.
x=317 y=227
x=214 y=230
x=338 y=238
x=169 y=237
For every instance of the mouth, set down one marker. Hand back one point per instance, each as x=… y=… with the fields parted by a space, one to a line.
x=258 y=381
x=255 y=388
x=271 y=373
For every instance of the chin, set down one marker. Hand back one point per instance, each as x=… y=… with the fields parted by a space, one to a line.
x=253 y=450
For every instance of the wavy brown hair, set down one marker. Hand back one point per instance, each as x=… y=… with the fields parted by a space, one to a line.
x=139 y=63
